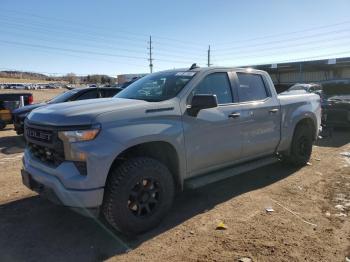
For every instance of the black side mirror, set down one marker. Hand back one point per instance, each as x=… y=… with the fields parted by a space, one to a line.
x=200 y=102
x=318 y=92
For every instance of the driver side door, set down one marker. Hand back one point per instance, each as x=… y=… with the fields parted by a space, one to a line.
x=212 y=138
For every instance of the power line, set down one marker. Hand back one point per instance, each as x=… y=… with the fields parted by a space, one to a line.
x=64 y=53
x=75 y=23
x=66 y=31
x=278 y=50
x=70 y=22
x=163 y=51
x=82 y=35
x=283 y=41
x=288 y=33
x=304 y=59
x=84 y=44
x=87 y=52
x=286 y=46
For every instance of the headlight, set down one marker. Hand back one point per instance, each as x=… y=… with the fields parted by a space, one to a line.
x=80 y=135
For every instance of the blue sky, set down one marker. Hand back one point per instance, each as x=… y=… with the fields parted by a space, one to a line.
x=110 y=36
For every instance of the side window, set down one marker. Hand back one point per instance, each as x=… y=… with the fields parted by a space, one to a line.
x=108 y=92
x=217 y=84
x=251 y=87
x=88 y=95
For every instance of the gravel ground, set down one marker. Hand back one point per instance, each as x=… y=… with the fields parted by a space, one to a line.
x=310 y=221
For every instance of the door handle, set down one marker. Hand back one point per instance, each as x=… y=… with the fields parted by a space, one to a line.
x=275 y=110
x=234 y=115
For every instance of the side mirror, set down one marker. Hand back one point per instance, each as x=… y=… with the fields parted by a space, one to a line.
x=318 y=92
x=200 y=102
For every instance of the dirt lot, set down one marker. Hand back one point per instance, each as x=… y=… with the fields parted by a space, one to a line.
x=310 y=221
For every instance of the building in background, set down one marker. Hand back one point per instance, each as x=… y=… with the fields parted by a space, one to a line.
x=286 y=74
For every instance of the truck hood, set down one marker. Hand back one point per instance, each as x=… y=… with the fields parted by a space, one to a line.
x=79 y=112
x=26 y=109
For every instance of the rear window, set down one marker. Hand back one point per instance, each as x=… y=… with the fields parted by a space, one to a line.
x=90 y=94
x=251 y=87
x=109 y=92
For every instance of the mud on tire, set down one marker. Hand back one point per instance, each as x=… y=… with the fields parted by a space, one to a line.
x=138 y=194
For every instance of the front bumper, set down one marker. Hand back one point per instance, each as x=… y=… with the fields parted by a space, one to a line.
x=49 y=186
x=44 y=159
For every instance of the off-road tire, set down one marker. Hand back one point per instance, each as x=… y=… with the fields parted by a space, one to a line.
x=118 y=209
x=301 y=146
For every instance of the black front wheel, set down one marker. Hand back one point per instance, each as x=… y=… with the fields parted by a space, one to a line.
x=138 y=194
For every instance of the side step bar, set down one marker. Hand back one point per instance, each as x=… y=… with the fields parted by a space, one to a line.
x=215 y=176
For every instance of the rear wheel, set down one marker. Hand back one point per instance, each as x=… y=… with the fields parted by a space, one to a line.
x=138 y=194
x=301 y=147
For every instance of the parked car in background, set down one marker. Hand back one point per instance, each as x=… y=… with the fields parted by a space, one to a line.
x=336 y=103
x=27 y=97
x=17 y=86
x=310 y=88
x=9 y=102
x=72 y=95
x=126 y=157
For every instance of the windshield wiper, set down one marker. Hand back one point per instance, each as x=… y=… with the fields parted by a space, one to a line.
x=143 y=99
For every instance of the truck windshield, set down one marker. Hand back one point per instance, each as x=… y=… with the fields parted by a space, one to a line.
x=157 y=87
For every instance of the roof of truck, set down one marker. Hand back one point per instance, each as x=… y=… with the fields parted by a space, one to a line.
x=201 y=69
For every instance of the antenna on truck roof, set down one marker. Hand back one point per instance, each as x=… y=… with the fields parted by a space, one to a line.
x=193 y=66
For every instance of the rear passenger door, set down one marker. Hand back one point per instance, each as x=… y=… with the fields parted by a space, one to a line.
x=260 y=115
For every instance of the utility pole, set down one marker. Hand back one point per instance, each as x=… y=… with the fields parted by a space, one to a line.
x=150 y=59
x=209 y=64
x=301 y=72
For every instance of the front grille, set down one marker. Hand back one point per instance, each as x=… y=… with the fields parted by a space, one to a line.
x=44 y=145
x=45 y=154
x=45 y=136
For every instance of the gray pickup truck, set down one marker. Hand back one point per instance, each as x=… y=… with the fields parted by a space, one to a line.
x=127 y=156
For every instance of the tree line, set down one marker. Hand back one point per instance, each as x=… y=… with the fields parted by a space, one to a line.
x=70 y=78
x=89 y=79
